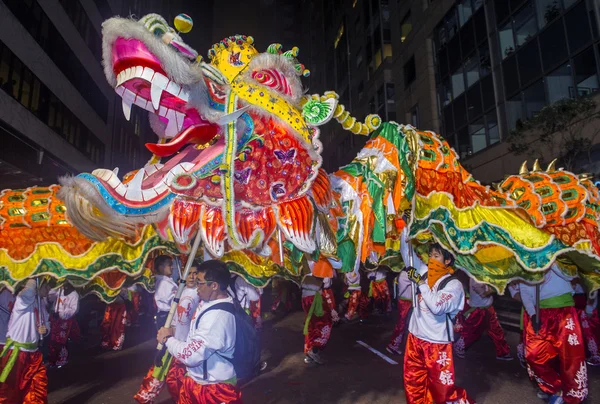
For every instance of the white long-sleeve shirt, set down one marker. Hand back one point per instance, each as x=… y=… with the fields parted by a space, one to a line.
x=429 y=321
x=244 y=292
x=23 y=323
x=311 y=285
x=554 y=284
x=215 y=333
x=404 y=286
x=352 y=279
x=419 y=265
x=7 y=300
x=476 y=291
x=65 y=306
x=185 y=311
x=166 y=289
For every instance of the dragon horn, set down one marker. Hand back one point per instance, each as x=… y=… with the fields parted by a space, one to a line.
x=524 y=170
x=536 y=166
x=551 y=167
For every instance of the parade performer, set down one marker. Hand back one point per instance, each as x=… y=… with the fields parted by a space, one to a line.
x=381 y=291
x=281 y=295
x=353 y=294
x=23 y=377
x=329 y=299
x=7 y=301
x=479 y=316
x=154 y=382
x=64 y=326
x=590 y=325
x=210 y=377
x=135 y=298
x=515 y=292
x=556 y=334
x=248 y=297
x=114 y=322
x=404 y=294
x=318 y=322
x=166 y=288
x=428 y=360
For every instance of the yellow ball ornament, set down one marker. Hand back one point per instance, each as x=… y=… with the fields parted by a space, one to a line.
x=183 y=23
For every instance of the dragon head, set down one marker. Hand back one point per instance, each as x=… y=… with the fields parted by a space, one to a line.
x=235 y=134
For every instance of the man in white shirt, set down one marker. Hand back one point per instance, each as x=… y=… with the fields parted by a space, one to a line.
x=404 y=290
x=23 y=376
x=585 y=304
x=166 y=288
x=7 y=301
x=428 y=360
x=211 y=341
x=555 y=335
x=478 y=317
x=65 y=305
x=155 y=379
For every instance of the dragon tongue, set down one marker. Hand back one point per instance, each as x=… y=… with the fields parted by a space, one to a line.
x=198 y=134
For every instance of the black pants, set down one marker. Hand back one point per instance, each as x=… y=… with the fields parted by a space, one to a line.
x=161 y=319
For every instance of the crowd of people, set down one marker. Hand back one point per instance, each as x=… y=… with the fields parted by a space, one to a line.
x=440 y=316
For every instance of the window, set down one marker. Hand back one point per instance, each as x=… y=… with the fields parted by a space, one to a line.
x=535 y=98
x=578 y=27
x=448 y=121
x=465 y=11
x=502 y=10
x=492 y=127
x=530 y=67
x=485 y=64
x=390 y=92
x=507 y=42
x=472 y=70
x=414 y=116
x=474 y=103
x=511 y=76
x=460 y=111
x=514 y=111
x=410 y=72
x=458 y=83
x=553 y=45
x=547 y=11
x=586 y=75
x=464 y=143
x=83 y=24
x=559 y=83
x=477 y=133
x=405 y=27
x=361 y=89
x=445 y=92
x=487 y=89
x=525 y=25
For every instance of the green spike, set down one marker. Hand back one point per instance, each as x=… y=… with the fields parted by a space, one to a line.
x=274 y=49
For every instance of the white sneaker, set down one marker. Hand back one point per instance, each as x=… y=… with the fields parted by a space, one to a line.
x=315 y=357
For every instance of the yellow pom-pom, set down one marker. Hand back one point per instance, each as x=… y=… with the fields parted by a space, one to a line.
x=183 y=23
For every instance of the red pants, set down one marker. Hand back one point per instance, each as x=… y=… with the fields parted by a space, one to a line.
x=353 y=301
x=113 y=326
x=151 y=387
x=329 y=299
x=220 y=393
x=559 y=340
x=60 y=332
x=404 y=307
x=429 y=373
x=319 y=328
x=255 y=313
x=475 y=324
x=381 y=295
x=27 y=382
x=282 y=295
x=590 y=326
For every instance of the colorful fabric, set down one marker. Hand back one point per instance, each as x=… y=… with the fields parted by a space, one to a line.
x=150 y=388
x=113 y=326
x=329 y=298
x=353 y=300
x=11 y=351
x=435 y=270
x=281 y=292
x=136 y=304
x=480 y=320
x=381 y=295
x=60 y=333
x=255 y=313
x=404 y=307
x=218 y=393
x=318 y=327
x=429 y=373
x=27 y=382
x=559 y=338
x=175 y=378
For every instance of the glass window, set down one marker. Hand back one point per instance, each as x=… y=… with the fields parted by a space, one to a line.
x=514 y=111
x=535 y=98
x=477 y=133
x=410 y=72
x=445 y=92
x=578 y=27
x=454 y=56
x=464 y=143
x=485 y=64
x=451 y=24
x=5 y=55
x=474 y=104
x=492 y=127
x=507 y=42
x=553 y=45
x=511 y=76
x=502 y=10
x=467 y=38
x=35 y=96
x=460 y=111
x=465 y=11
x=414 y=116
x=530 y=67
x=458 y=83
x=472 y=70
x=480 y=26
x=442 y=60
x=487 y=89
x=547 y=11
x=525 y=25
x=390 y=92
x=448 y=120
x=559 y=83
x=15 y=78
x=405 y=27
x=586 y=74
x=569 y=3
x=26 y=87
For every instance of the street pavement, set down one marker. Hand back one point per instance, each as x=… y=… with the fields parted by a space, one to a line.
x=352 y=374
